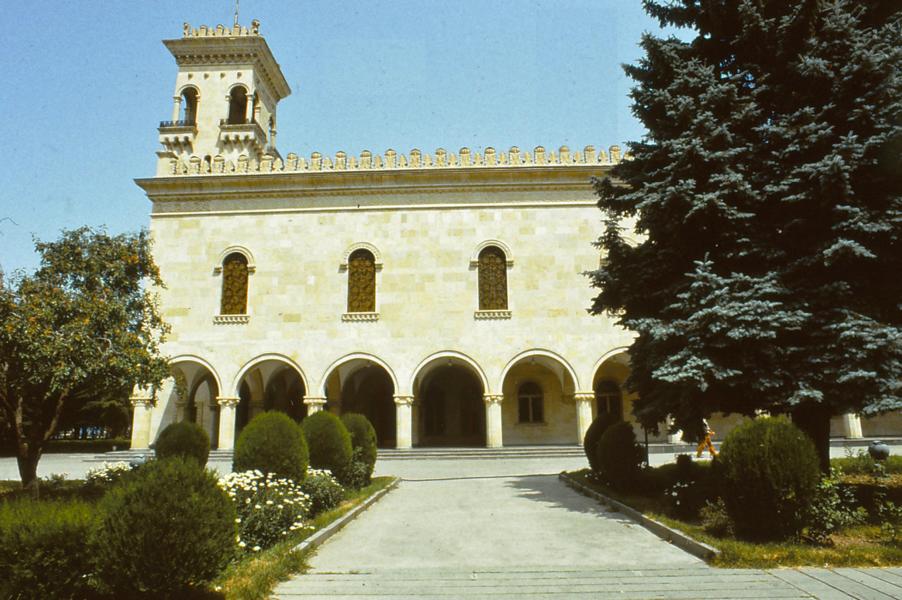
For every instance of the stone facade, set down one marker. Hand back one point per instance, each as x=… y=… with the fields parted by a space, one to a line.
x=426 y=365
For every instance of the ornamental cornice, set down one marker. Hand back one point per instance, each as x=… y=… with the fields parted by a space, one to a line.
x=492 y=315
x=231 y=319
x=360 y=316
x=214 y=192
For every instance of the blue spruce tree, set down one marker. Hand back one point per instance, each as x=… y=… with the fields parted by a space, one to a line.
x=767 y=196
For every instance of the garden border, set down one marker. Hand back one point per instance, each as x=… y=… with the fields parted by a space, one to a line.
x=318 y=538
x=668 y=534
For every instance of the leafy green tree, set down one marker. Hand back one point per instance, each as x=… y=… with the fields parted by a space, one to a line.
x=767 y=199
x=83 y=326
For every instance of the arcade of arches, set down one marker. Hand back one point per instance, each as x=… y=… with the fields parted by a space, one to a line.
x=450 y=404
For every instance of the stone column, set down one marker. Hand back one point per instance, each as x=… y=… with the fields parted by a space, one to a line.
x=143 y=405
x=227 y=422
x=176 y=108
x=314 y=404
x=249 y=110
x=403 y=421
x=851 y=426
x=583 y=401
x=493 y=434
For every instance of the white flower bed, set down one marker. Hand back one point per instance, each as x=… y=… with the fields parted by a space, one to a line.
x=107 y=473
x=268 y=507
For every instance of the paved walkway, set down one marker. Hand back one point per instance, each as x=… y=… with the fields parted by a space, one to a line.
x=510 y=529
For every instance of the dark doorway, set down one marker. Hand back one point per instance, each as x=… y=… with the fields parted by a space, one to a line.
x=453 y=412
x=285 y=392
x=370 y=392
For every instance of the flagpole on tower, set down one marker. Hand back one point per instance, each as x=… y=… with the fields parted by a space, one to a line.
x=236 y=12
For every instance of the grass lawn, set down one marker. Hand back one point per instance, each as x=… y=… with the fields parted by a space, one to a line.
x=859 y=546
x=255 y=576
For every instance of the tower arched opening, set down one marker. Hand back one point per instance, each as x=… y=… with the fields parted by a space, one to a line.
x=238 y=106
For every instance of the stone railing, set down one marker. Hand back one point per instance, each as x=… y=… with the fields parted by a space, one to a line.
x=391 y=160
x=221 y=30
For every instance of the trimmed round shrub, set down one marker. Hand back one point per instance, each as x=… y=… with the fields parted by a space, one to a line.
x=363 y=444
x=769 y=473
x=329 y=442
x=183 y=439
x=323 y=490
x=272 y=443
x=619 y=456
x=42 y=549
x=593 y=435
x=166 y=530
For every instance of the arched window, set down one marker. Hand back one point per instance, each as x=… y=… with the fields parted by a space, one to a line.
x=530 y=403
x=189 y=106
x=238 y=106
x=234 y=284
x=361 y=281
x=492 y=279
x=609 y=398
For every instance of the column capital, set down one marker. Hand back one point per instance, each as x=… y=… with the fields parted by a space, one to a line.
x=493 y=398
x=405 y=400
x=143 y=401
x=227 y=402
x=584 y=396
x=314 y=400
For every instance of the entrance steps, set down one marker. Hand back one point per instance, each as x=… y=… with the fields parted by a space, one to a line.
x=130 y=455
x=467 y=453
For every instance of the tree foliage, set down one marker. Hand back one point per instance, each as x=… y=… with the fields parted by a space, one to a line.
x=768 y=203
x=83 y=326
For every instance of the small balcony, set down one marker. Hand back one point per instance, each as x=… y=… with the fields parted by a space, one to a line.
x=245 y=133
x=178 y=136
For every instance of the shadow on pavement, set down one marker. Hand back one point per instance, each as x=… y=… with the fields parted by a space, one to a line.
x=550 y=490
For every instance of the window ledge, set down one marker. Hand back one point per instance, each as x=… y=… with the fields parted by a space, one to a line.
x=231 y=319
x=360 y=316
x=484 y=315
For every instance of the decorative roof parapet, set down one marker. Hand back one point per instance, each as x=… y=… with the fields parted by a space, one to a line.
x=221 y=30
x=391 y=160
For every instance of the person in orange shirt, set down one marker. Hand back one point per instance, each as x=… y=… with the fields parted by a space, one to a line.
x=706 y=444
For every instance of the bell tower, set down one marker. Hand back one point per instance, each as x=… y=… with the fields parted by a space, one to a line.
x=226 y=92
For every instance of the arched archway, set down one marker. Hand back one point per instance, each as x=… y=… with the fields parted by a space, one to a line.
x=608 y=384
x=269 y=382
x=538 y=407
x=364 y=384
x=197 y=388
x=449 y=408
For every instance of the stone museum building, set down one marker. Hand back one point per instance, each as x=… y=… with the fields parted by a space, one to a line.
x=441 y=293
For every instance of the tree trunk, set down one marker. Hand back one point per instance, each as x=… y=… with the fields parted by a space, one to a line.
x=27 y=460
x=814 y=419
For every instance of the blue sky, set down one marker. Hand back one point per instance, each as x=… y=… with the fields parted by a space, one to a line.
x=87 y=83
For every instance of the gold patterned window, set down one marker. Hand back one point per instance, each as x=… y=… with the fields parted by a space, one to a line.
x=234 y=285
x=492 y=279
x=361 y=282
